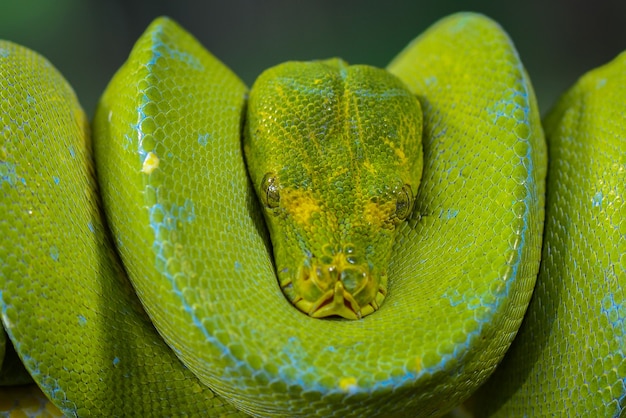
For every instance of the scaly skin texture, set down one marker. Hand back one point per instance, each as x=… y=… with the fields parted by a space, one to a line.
x=61 y=284
x=578 y=311
x=335 y=155
x=190 y=232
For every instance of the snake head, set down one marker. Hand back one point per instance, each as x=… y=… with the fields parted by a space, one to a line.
x=334 y=153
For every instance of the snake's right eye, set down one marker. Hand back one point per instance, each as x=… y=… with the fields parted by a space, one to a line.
x=404 y=202
x=270 y=195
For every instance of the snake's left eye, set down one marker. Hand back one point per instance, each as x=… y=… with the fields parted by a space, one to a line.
x=404 y=202
x=270 y=195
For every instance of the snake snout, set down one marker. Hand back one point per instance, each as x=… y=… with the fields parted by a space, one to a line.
x=337 y=286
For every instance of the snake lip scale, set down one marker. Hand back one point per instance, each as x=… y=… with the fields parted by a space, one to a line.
x=335 y=240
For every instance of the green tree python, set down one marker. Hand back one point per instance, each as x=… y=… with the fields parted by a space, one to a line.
x=378 y=259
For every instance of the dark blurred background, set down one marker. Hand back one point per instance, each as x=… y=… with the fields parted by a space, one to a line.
x=88 y=40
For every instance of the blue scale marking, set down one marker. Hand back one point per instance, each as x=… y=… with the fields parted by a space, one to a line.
x=596 y=200
x=203 y=139
x=128 y=140
x=8 y=174
x=48 y=384
x=294 y=351
x=410 y=375
x=54 y=253
x=448 y=213
x=171 y=216
x=461 y=349
x=613 y=313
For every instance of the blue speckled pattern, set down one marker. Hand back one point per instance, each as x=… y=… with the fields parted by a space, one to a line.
x=570 y=355
x=202 y=266
x=188 y=227
x=65 y=301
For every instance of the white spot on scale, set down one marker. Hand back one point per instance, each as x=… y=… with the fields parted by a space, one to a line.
x=150 y=163
x=110 y=115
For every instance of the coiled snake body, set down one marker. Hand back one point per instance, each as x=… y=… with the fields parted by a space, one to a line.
x=457 y=278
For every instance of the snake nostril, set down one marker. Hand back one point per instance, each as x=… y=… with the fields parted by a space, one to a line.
x=330 y=250
x=352 y=279
x=332 y=271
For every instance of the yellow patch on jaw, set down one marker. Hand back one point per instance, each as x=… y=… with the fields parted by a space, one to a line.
x=398 y=151
x=300 y=204
x=369 y=167
x=401 y=156
x=377 y=214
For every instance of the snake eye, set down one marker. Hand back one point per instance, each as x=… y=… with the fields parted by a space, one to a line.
x=269 y=190
x=404 y=202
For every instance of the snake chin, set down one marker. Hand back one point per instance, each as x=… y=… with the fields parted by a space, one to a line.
x=334 y=289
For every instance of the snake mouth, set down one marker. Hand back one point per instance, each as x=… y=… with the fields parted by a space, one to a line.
x=324 y=292
x=336 y=301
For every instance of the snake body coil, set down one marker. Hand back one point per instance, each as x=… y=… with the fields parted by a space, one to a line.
x=205 y=330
